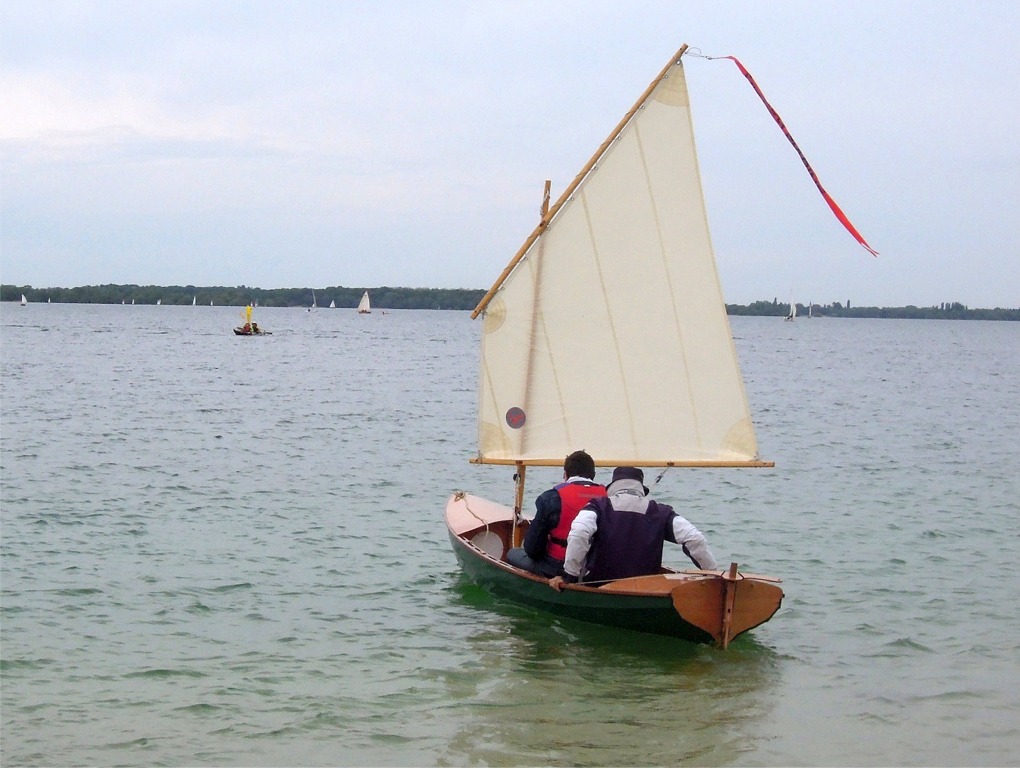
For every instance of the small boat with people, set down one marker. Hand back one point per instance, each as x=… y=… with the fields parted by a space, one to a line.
x=631 y=224
x=620 y=270
x=250 y=327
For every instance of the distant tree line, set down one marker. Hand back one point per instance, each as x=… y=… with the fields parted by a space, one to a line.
x=949 y=310
x=382 y=298
x=386 y=297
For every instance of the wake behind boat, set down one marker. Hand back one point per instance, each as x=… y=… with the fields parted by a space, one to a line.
x=620 y=270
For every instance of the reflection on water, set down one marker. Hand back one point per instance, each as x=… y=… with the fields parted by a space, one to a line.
x=563 y=692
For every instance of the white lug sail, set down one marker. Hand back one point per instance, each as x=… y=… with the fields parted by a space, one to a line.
x=610 y=334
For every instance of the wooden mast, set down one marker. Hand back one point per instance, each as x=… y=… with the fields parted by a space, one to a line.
x=516 y=536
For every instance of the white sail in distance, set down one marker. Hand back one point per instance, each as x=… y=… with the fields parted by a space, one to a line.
x=610 y=334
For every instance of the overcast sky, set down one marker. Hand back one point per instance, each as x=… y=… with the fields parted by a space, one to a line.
x=322 y=142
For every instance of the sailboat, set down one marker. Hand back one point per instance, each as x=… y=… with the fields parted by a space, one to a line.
x=24 y=301
x=250 y=327
x=332 y=305
x=793 y=311
x=194 y=300
x=607 y=331
x=314 y=305
x=364 y=306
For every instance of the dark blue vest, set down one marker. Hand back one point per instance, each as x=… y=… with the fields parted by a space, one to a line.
x=627 y=543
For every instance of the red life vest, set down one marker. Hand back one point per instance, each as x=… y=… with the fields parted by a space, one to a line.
x=573 y=496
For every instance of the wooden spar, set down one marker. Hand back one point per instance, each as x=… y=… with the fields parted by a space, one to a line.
x=550 y=214
x=516 y=538
x=545 y=197
x=625 y=463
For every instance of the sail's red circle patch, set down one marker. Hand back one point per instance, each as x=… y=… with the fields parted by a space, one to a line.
x=515 y=418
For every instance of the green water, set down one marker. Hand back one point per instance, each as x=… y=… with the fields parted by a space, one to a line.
x=230 y=551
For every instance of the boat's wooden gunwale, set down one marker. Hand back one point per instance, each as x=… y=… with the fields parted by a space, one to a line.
x=620 y=587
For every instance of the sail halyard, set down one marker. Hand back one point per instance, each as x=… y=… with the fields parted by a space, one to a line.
x=608 y=330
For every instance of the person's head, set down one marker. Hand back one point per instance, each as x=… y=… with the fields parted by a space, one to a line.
x=579 y=464
x=627 y=478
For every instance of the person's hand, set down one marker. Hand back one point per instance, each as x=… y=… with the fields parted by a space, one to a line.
x=557 y=582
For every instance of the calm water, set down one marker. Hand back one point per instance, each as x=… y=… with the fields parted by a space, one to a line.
x=230 y=551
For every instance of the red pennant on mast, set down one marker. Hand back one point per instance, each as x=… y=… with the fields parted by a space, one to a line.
x=779 y=121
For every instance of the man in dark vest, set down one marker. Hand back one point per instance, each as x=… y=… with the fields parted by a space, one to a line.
x=545 y=543
x=621 y=535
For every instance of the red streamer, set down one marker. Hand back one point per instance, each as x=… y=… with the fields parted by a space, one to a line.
x=825 y=195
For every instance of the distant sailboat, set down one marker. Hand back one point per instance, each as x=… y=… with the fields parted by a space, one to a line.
x=314 y=305
x=793 y=311
x=364 y=306
x=332 y=305
x=194 y=300
x=24 y=301
x=158 y=302
x=250 y=327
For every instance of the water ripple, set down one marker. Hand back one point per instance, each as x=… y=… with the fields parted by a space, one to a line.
x=220 y=552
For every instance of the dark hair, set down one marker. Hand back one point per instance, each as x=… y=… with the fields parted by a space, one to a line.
x=579 y=464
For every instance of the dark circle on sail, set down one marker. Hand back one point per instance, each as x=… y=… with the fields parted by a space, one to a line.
x=515 y=418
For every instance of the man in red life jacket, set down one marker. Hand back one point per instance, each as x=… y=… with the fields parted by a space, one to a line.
x=631 y=529
x=545 y=543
